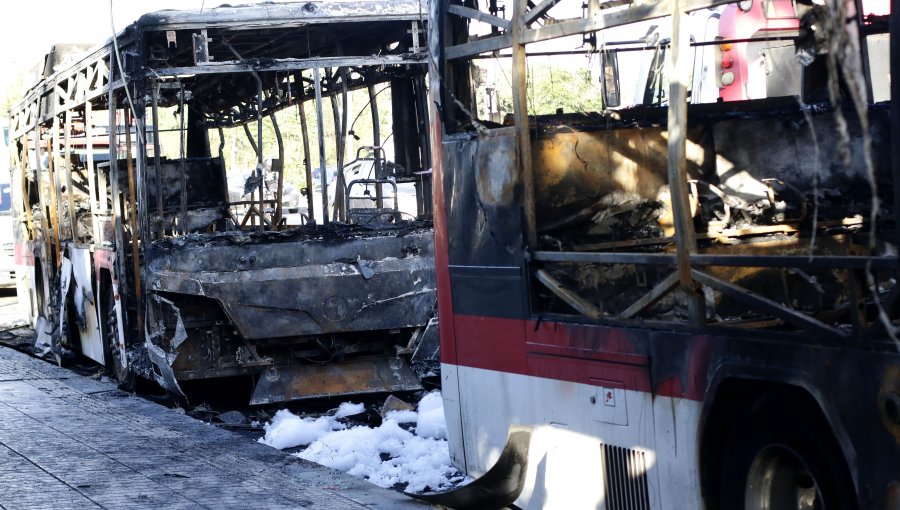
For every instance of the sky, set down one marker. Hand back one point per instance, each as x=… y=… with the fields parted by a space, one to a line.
x=28 y=28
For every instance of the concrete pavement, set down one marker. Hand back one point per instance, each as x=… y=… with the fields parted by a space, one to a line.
x=68 y=441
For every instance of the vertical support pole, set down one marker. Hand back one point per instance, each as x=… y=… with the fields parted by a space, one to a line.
x=421 y=94
x=26 y=199
x=116 y=212
x=112 y=179
x=91 y=169
x=863 y=47
x=376 y=141
x=67 y=162
x=42 y=198
x=261 y=207
x=307 y=163
x=140 y=206
x=157 y=167
x=279 y=204
x=132 y=220
x=182 y=153
x=895 y=109
x=55 y=210
x=339 y=139
x=320 y=123
x=251 y=211
x=345 y=111
x=520 y=113
x=685 y=237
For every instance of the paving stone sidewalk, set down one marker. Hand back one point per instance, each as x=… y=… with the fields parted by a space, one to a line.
x=67 y=441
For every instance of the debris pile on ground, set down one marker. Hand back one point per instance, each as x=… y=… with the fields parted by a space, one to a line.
x=408 y=450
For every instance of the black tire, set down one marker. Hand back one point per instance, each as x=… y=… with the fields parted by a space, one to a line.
x=782 y=456
x=121 y=373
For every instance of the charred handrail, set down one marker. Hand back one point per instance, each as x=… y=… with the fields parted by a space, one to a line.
x=762 y=303
x=292 y=64
x=477 y=47
x=468 y=12
x=645 y=11
x=648 y=299
x=252 y=202
x=776 y=261
x=539 y=11
x=583 y=306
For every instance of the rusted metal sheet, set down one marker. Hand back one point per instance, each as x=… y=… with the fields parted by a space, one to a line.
x=306 y=287
x=364 y=375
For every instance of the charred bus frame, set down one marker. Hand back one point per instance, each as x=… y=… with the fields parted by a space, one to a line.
x=647 y=297
x=146 y=265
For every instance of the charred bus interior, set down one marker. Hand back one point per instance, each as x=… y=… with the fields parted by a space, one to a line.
x=783 y=235
x=263 y=209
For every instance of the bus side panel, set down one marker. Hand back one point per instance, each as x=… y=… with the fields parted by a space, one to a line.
x=86 y=305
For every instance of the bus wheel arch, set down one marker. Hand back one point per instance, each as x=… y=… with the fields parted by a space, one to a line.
x=763 y=442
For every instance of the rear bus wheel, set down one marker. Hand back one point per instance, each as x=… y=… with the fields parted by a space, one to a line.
x=783 y=457
x=779 y=479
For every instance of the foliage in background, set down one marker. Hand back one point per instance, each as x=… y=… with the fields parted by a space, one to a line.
x=551 y=87
x=240 y=158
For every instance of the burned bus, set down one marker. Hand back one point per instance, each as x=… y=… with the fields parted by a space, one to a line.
x=138 y=253
x=673 y=305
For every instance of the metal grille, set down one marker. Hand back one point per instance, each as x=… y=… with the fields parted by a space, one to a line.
x=626 y=479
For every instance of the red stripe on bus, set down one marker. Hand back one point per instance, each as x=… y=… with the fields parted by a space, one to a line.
x=441 y=249
x=566 y=352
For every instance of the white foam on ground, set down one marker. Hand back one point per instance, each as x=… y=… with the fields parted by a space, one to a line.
x=431 y=421
x=403 y=416
x=418 y=458
x=287 y=430
x=349 y=409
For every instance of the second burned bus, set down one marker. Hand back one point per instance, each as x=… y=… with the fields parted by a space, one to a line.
x=670 y=307
x=132 y=249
